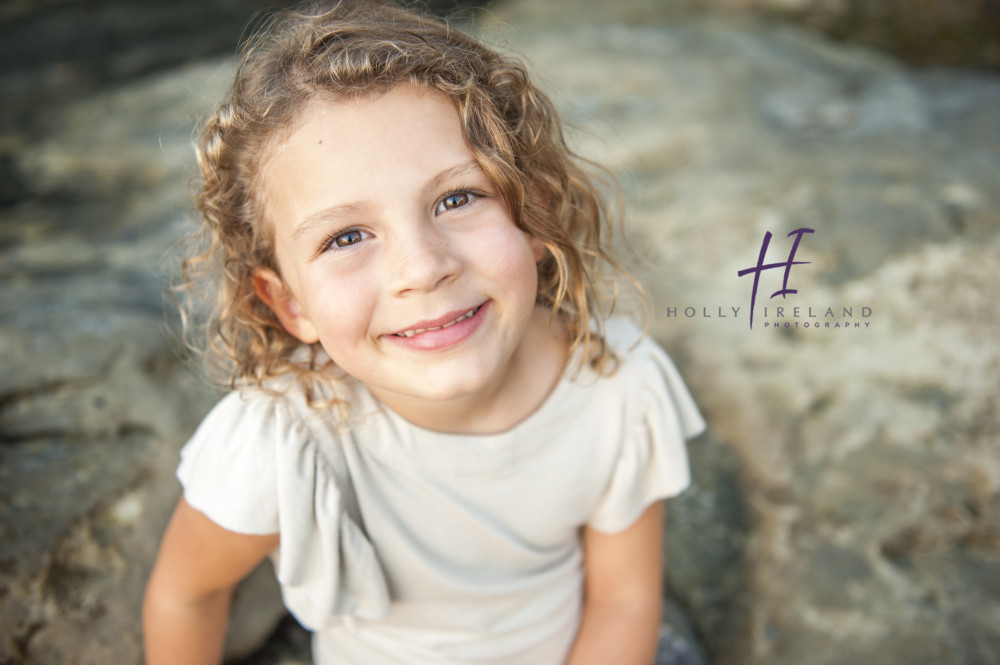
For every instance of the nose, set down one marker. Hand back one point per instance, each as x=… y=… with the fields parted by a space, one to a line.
x=423 y=260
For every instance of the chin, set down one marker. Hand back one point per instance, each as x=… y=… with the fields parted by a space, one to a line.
x=445 y=393
x=443 y=389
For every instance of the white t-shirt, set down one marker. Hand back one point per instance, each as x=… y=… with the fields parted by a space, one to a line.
x=401 y=545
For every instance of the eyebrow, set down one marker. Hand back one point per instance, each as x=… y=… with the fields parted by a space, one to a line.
x=324 y=215
x=459 y=170
x=344 y=209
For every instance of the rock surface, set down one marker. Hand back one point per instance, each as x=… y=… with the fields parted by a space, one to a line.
x=846 y=505
x=93 y=401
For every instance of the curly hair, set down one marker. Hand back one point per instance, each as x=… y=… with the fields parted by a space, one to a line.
x=360 y=47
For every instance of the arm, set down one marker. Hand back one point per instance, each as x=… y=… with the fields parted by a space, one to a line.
x=622 y=594
x=186 y=608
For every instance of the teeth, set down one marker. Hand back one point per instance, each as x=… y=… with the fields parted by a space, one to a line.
x=411 y=333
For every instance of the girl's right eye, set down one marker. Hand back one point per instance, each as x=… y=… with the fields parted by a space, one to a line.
x=343 y=239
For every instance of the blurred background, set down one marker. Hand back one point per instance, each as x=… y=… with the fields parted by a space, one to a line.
x=846 y=503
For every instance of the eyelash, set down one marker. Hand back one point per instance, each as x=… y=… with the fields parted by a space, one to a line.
x=470 y=192
x=330 y=242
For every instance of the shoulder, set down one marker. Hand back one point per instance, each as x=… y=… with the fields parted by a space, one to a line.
x=254 y=442
x=638 y=356
x=248 y=416
x=648 y=379
x=626 y=339
x=227 y=466
x=290 y=401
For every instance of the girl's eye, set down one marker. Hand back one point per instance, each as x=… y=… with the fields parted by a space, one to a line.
x=343 y=239
x=453 y=201
x=347 y=238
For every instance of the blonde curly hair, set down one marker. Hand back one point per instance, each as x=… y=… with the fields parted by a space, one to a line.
x=353 y=48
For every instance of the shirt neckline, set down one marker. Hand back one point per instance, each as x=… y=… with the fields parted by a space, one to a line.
x=400 y=443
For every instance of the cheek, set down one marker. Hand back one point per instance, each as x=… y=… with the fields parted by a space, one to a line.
x=506 y=251
x=342 y=306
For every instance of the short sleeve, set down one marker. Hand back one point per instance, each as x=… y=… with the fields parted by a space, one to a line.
x=255 y=466
x=227 y=468
x=652 y=462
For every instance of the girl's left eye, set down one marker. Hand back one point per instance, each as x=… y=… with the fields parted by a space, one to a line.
x=453 y=201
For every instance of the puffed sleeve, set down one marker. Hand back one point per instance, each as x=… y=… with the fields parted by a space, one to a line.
x=255 y=466
x=227 y=467
x=652 y=461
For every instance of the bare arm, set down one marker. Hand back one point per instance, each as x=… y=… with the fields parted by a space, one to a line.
x=186 y=608
x=622 y=594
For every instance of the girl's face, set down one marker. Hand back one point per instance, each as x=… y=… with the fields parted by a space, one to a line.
x=397 y=253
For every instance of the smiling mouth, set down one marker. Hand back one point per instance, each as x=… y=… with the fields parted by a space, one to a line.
x=410 y=333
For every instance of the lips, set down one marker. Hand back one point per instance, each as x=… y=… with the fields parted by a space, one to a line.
x=442 y=333
x=428 y=326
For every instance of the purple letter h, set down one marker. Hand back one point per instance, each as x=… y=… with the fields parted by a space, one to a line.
x=762 y=266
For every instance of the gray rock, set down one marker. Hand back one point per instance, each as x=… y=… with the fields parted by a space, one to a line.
x=846 y=501
x=94 y=403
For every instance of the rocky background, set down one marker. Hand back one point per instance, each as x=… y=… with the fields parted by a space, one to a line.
x=846 y=505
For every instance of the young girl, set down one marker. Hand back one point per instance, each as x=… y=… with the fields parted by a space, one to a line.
x=447 y=452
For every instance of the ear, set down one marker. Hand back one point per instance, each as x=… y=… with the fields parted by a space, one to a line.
x=275 y=293
x=539 y=196
x=538 y=248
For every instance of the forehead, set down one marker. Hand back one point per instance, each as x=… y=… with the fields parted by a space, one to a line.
x=368 y=122
x=352 y=147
